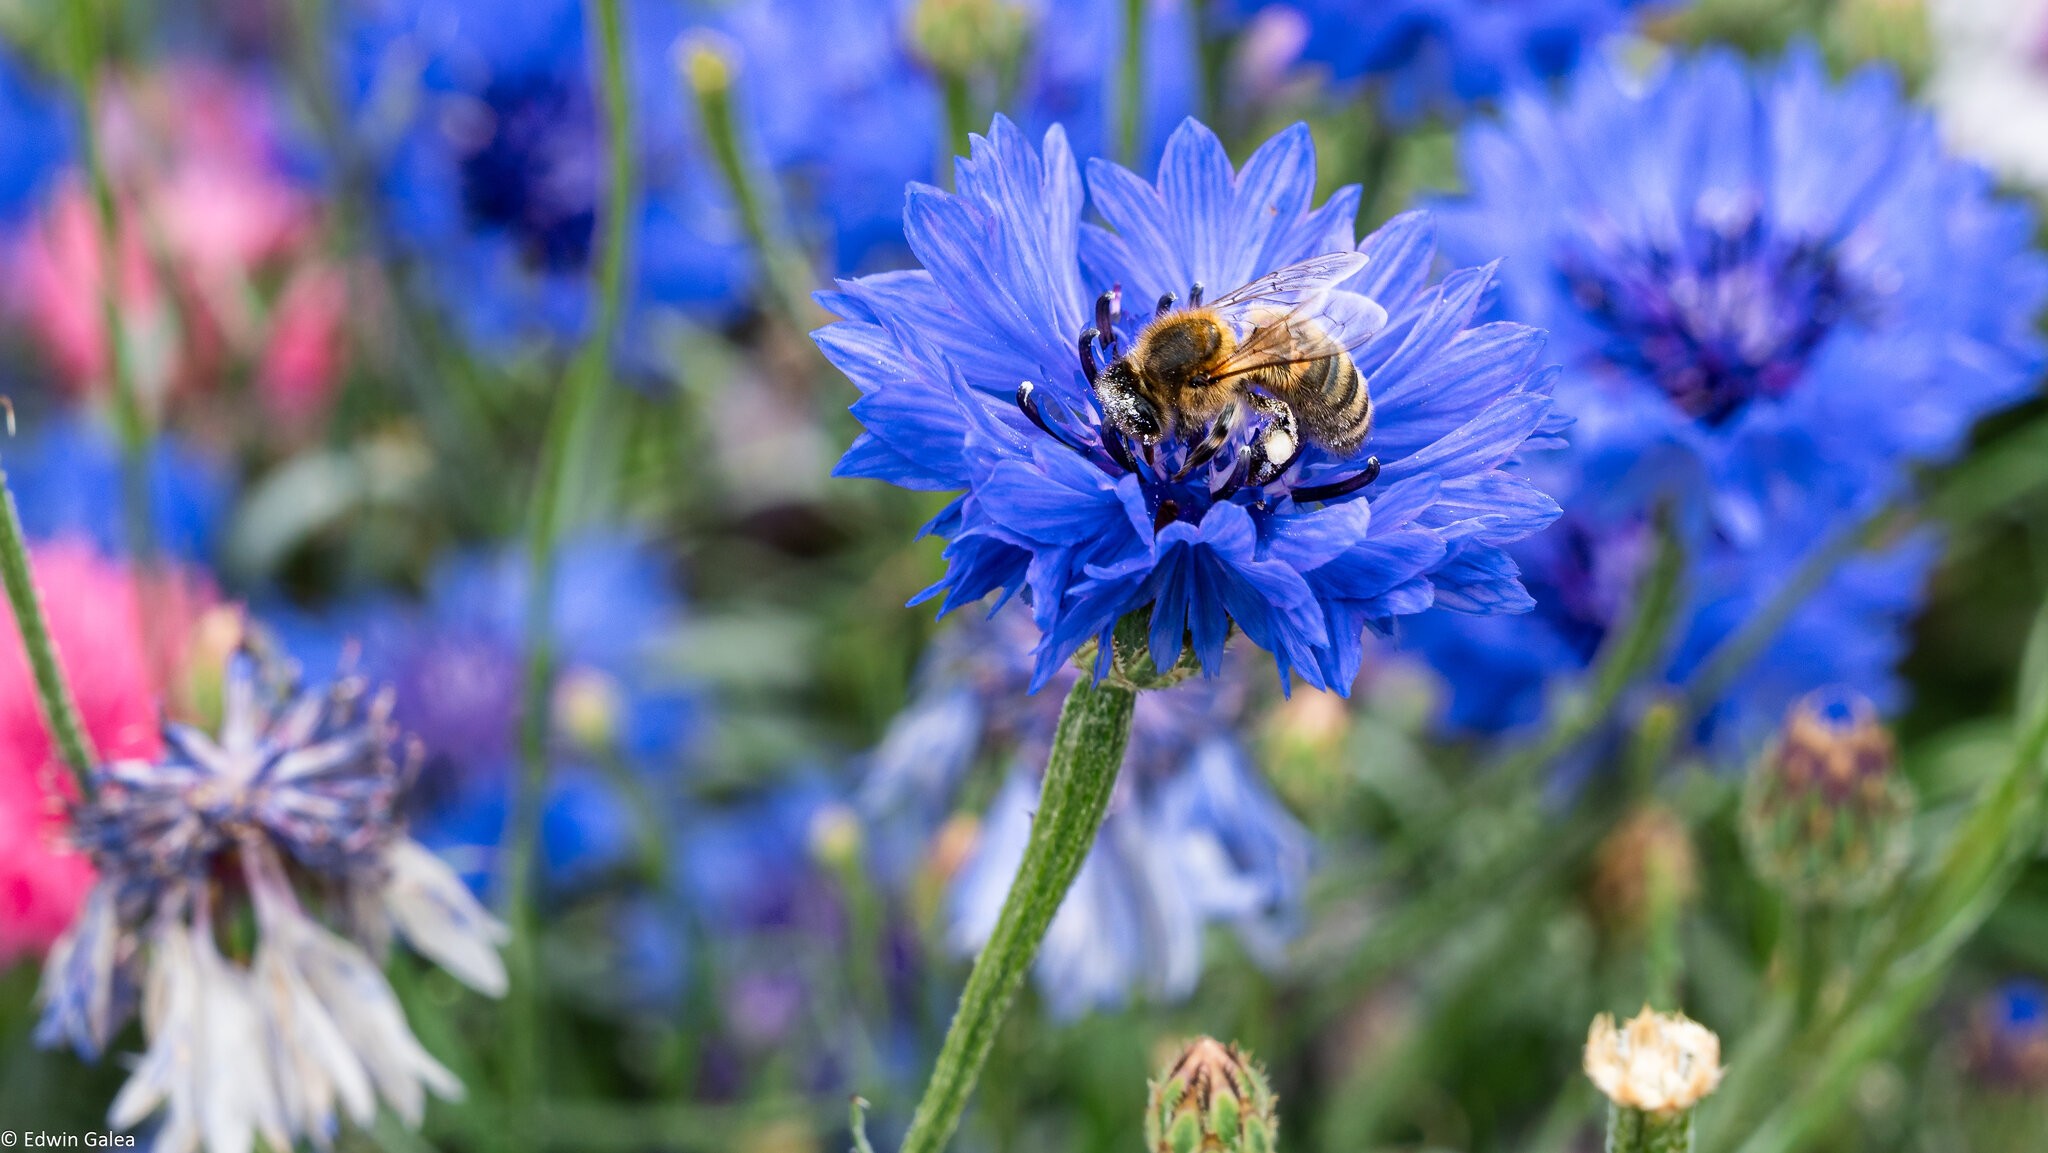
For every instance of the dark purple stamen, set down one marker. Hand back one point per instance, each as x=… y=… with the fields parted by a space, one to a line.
x=1350 y=484
x=1028 y=401
x=1238 y=474
x=1165 y=304
x=1089 y=368
x=1167 y=514
x=1195 y=295
x=1107 y=307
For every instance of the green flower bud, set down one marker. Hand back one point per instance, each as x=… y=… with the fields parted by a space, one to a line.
x=1212 y=1099
x=969 y=37
x=1825 y=815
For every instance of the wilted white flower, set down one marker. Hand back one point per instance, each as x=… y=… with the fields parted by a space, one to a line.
x=305 y=1031
x=1657 y=1062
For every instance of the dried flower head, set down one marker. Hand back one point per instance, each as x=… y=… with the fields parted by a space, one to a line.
x=1649 y=849
x=287 y=815
x=1656 y=1062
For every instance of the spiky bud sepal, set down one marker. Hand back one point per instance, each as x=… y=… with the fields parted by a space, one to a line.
x=1212 y=1099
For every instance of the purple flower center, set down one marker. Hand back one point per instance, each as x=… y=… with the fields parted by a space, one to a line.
x=1185 y=473
x=1728 y=314
x=530 y=168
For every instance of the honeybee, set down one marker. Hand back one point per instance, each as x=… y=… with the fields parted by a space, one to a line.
x=1280 y=346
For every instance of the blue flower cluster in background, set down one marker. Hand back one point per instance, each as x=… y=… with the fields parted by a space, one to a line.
x=1777 y=298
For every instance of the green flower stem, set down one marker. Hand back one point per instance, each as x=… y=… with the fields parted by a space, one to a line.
x=60 y=711
x=960 y=122
x=1637 y=1131
x=88 y=21
x=582 y=389
x=1130 y=105
x=709 y=74
x=1087 y=751
x=1813 y=941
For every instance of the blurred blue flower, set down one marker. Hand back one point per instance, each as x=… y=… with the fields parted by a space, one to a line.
x=1777 y=297
x=456 y=659
x=65 y=473
x=37 y=127
x=1092 y=523
x=1193 y=837
x=485 y=125
x=2008 y=1037
x=1435 y=56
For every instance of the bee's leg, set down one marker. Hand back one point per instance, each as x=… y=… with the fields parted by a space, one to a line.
x=1277 y=444
x=1220 y=431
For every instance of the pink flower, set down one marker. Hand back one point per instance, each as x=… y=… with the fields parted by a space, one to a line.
x=210 y=224
x=308 y=339
x=96 y=620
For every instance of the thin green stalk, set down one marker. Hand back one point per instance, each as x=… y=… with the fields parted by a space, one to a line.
x=1087 y=750
x=708 y=75
x=88 y=20
x=1130 y=105
x=1813 y=941
x=1635 y=1131
x=1664 y=956
x=53 y=693
x=582 y=388
x=960 y=122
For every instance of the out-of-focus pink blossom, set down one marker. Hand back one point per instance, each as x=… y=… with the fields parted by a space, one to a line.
x=308 y=339
x=211 y=225
x=96 y=620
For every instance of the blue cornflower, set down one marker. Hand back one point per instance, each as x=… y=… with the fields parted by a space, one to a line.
x=1440 y=55
x=66 y=477
x=1773 y=295
x=485 y=126
x=1193 y=837
x=1092 y=521
x=456 y=659
x=289 y=816
x=483 y=123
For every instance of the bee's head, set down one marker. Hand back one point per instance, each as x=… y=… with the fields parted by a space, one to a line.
x=1125 y=404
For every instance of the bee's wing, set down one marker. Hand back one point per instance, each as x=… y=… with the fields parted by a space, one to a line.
x=1294 y=284
x=1326 y=323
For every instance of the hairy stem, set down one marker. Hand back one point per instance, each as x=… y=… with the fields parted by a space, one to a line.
x=53 y=693
x=1087 y=751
